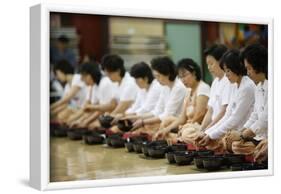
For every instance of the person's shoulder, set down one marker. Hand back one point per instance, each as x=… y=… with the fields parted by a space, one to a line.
x=248 y=85
x=248 y=82
x=215 y=82
x=155 y=86
x=105 y=80
x=77 y=78
x=128 y=79
x=178 y=84
x=225 y=80
x=203 y=86
x=179 y=87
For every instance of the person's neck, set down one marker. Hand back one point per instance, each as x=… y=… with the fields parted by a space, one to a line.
x=239 y=80
x=69 y=78
x=171 y=84
x=220 y=75
x=195 y=85
x=147 y=86
x=260 y=78
x=119 y=80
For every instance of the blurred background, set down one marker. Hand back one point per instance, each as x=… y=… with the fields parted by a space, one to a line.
x=89 y=37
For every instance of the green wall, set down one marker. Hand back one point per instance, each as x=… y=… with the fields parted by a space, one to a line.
x=184 y=41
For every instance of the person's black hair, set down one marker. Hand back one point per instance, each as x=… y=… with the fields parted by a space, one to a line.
x=231 y=60
x=63 y=39
x=93 y=70
x=216 y=51
x=165 y=66
x=64 y=66
x=142 y=70
x=257 y=56
x=191 y=66
x=113 y=63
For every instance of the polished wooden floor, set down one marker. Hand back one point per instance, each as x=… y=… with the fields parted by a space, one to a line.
x=73 y=160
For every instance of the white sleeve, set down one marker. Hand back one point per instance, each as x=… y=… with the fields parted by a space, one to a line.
x=204 y=90
x=244 y=102
x=159 y=108
x=252 y=119
x=226 y=94
x=88 y=93
x=151 y=100
x=174 y=104
x=218 y=124
x=137 y=104
x=262 y=121
x=212 y=96
x=107 y=92
x=76 y=81
x=129 y=93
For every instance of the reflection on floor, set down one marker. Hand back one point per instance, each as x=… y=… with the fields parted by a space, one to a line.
x=73 y=160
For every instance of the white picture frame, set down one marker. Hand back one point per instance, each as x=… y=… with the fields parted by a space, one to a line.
x=39 y=102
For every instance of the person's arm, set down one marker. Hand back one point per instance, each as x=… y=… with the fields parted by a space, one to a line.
x=58 y=109
x=176 y=123
x=207 y=118
x=176 y=101
x=152 y=120
x=261 y=151
x=152 y=98
x=102 y=107
x=218 y=117
x=72 y=92
x=244 y=102
x=91 y=118
x=262 y=121
x=122 y=107
x=200 y=109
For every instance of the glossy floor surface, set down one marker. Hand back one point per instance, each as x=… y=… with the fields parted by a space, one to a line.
x=73 y=160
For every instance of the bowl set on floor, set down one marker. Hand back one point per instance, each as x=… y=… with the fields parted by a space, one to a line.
x=57 y=130
x=90 y=137
x=235 y=162
x=175 y=154
x=184 y=157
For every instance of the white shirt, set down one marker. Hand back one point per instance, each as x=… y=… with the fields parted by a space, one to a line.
x=238 y=110
x=127 y=90
x=103 y=93
x=79 y=99
x=146 y=99
x=258 y=121
x=219 y=95
x=170 y=101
